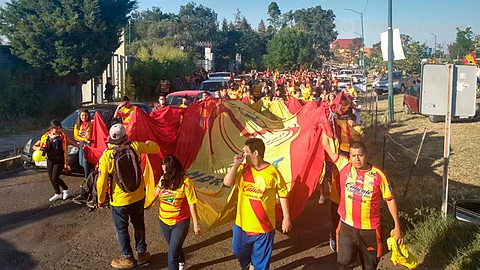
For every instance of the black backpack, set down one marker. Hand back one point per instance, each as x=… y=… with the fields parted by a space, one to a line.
x=127 y=170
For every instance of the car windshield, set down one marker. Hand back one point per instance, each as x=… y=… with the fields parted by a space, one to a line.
x=396 y=75
x=343 y=79
x=69 y=121
x=177 y=100
x=219 y=75
x=211 y=86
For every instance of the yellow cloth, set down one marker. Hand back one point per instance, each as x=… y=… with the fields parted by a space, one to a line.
x=400 y=253
x=106 y=167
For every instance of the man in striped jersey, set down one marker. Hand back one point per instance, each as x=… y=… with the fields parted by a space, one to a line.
x=362 y=185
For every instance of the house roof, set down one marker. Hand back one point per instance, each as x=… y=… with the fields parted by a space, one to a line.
x=342 y=43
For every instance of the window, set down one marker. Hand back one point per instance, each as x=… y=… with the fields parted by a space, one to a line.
x=70 y=121
x=413 y=91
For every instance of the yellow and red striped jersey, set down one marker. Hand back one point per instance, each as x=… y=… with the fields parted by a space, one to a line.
x=257 y=190
x=126 y=114
x=360 y=193
x=174 y=203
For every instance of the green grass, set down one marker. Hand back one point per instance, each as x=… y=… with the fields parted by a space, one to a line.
x=437 y=242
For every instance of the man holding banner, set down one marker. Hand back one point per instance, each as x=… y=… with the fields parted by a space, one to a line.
x=361 y=187
x=258 y=183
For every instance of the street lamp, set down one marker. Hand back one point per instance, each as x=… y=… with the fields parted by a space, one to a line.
x=363 y=39
x=435 y=46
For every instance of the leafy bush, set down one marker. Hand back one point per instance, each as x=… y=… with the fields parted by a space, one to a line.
x=151 y=65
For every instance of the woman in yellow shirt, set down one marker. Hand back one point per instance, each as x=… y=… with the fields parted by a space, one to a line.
x=177 y=199
x=82 y=133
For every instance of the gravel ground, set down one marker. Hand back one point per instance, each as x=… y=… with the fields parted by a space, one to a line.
x=37 y=234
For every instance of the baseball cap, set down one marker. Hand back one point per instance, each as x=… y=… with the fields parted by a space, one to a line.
x=117 y=134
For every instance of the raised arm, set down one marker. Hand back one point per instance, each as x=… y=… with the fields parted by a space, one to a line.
x=229 y=179
x=326 y=145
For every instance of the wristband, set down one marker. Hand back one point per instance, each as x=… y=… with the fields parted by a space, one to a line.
x=198 y=226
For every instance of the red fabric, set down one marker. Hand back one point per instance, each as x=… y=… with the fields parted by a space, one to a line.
x=181 y=132
x=99 y=140
x=293 y=105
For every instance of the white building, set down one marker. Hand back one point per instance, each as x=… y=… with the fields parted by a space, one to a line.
x=92 y=91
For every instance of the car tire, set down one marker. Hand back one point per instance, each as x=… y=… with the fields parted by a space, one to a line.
x=406 y=109
x=434 y=118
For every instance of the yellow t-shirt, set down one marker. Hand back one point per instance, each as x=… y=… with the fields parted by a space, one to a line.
x=106 y=167
x=126 y=114
x=257 y=190
x=174 y=204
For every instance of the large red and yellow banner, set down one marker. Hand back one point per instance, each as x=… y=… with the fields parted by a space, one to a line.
x=207 y=135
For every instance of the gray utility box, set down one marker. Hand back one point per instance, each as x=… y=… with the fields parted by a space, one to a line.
x=433 y=99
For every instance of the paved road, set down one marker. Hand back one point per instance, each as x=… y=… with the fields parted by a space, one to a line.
x=17 y=141
x=37 y=234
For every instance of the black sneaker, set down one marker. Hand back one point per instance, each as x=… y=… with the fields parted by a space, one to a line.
x=80 y=199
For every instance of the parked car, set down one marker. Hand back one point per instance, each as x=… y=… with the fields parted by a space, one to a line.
x=358 y=78
x=343 y=80
x=346 y=72
x=411 y=103
x=467 y=211
x=399 y=83
x=411 y=98
x=219 y=75
x=175 y=98
x=106 y=111
x=213 y=85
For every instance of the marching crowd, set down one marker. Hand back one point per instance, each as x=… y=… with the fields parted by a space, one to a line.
x=356 y=186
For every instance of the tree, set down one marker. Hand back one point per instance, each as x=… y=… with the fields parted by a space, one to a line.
x=464 y=43
x=274 y=14
x=414 y=53
x=319 y=24
x=197 y=23
x=74 y=38
x=224 y=25
x=252 y=48
x=289 y=49
x=262 y=29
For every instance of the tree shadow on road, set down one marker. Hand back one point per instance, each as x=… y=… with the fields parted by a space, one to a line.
x=11 y=258
x=16 y=219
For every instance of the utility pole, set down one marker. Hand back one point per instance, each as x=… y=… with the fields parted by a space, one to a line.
x=363 y=40
x=390 y=64
x=435 y=46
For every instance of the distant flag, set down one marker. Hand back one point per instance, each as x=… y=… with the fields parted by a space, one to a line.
x=275 y=76
x=470 y=59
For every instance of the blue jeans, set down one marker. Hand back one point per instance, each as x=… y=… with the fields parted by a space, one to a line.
x=120 y=216
x=255 y=249
x=175 y=236
x=82 y=160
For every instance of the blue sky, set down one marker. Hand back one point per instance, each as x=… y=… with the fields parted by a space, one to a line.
x=417 y=18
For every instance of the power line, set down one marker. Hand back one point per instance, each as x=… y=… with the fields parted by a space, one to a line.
x=365 y=7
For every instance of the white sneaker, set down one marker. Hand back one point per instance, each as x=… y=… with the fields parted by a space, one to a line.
x=55 y=197
x=181 y=266
x=321 y=200
x=65 y=194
